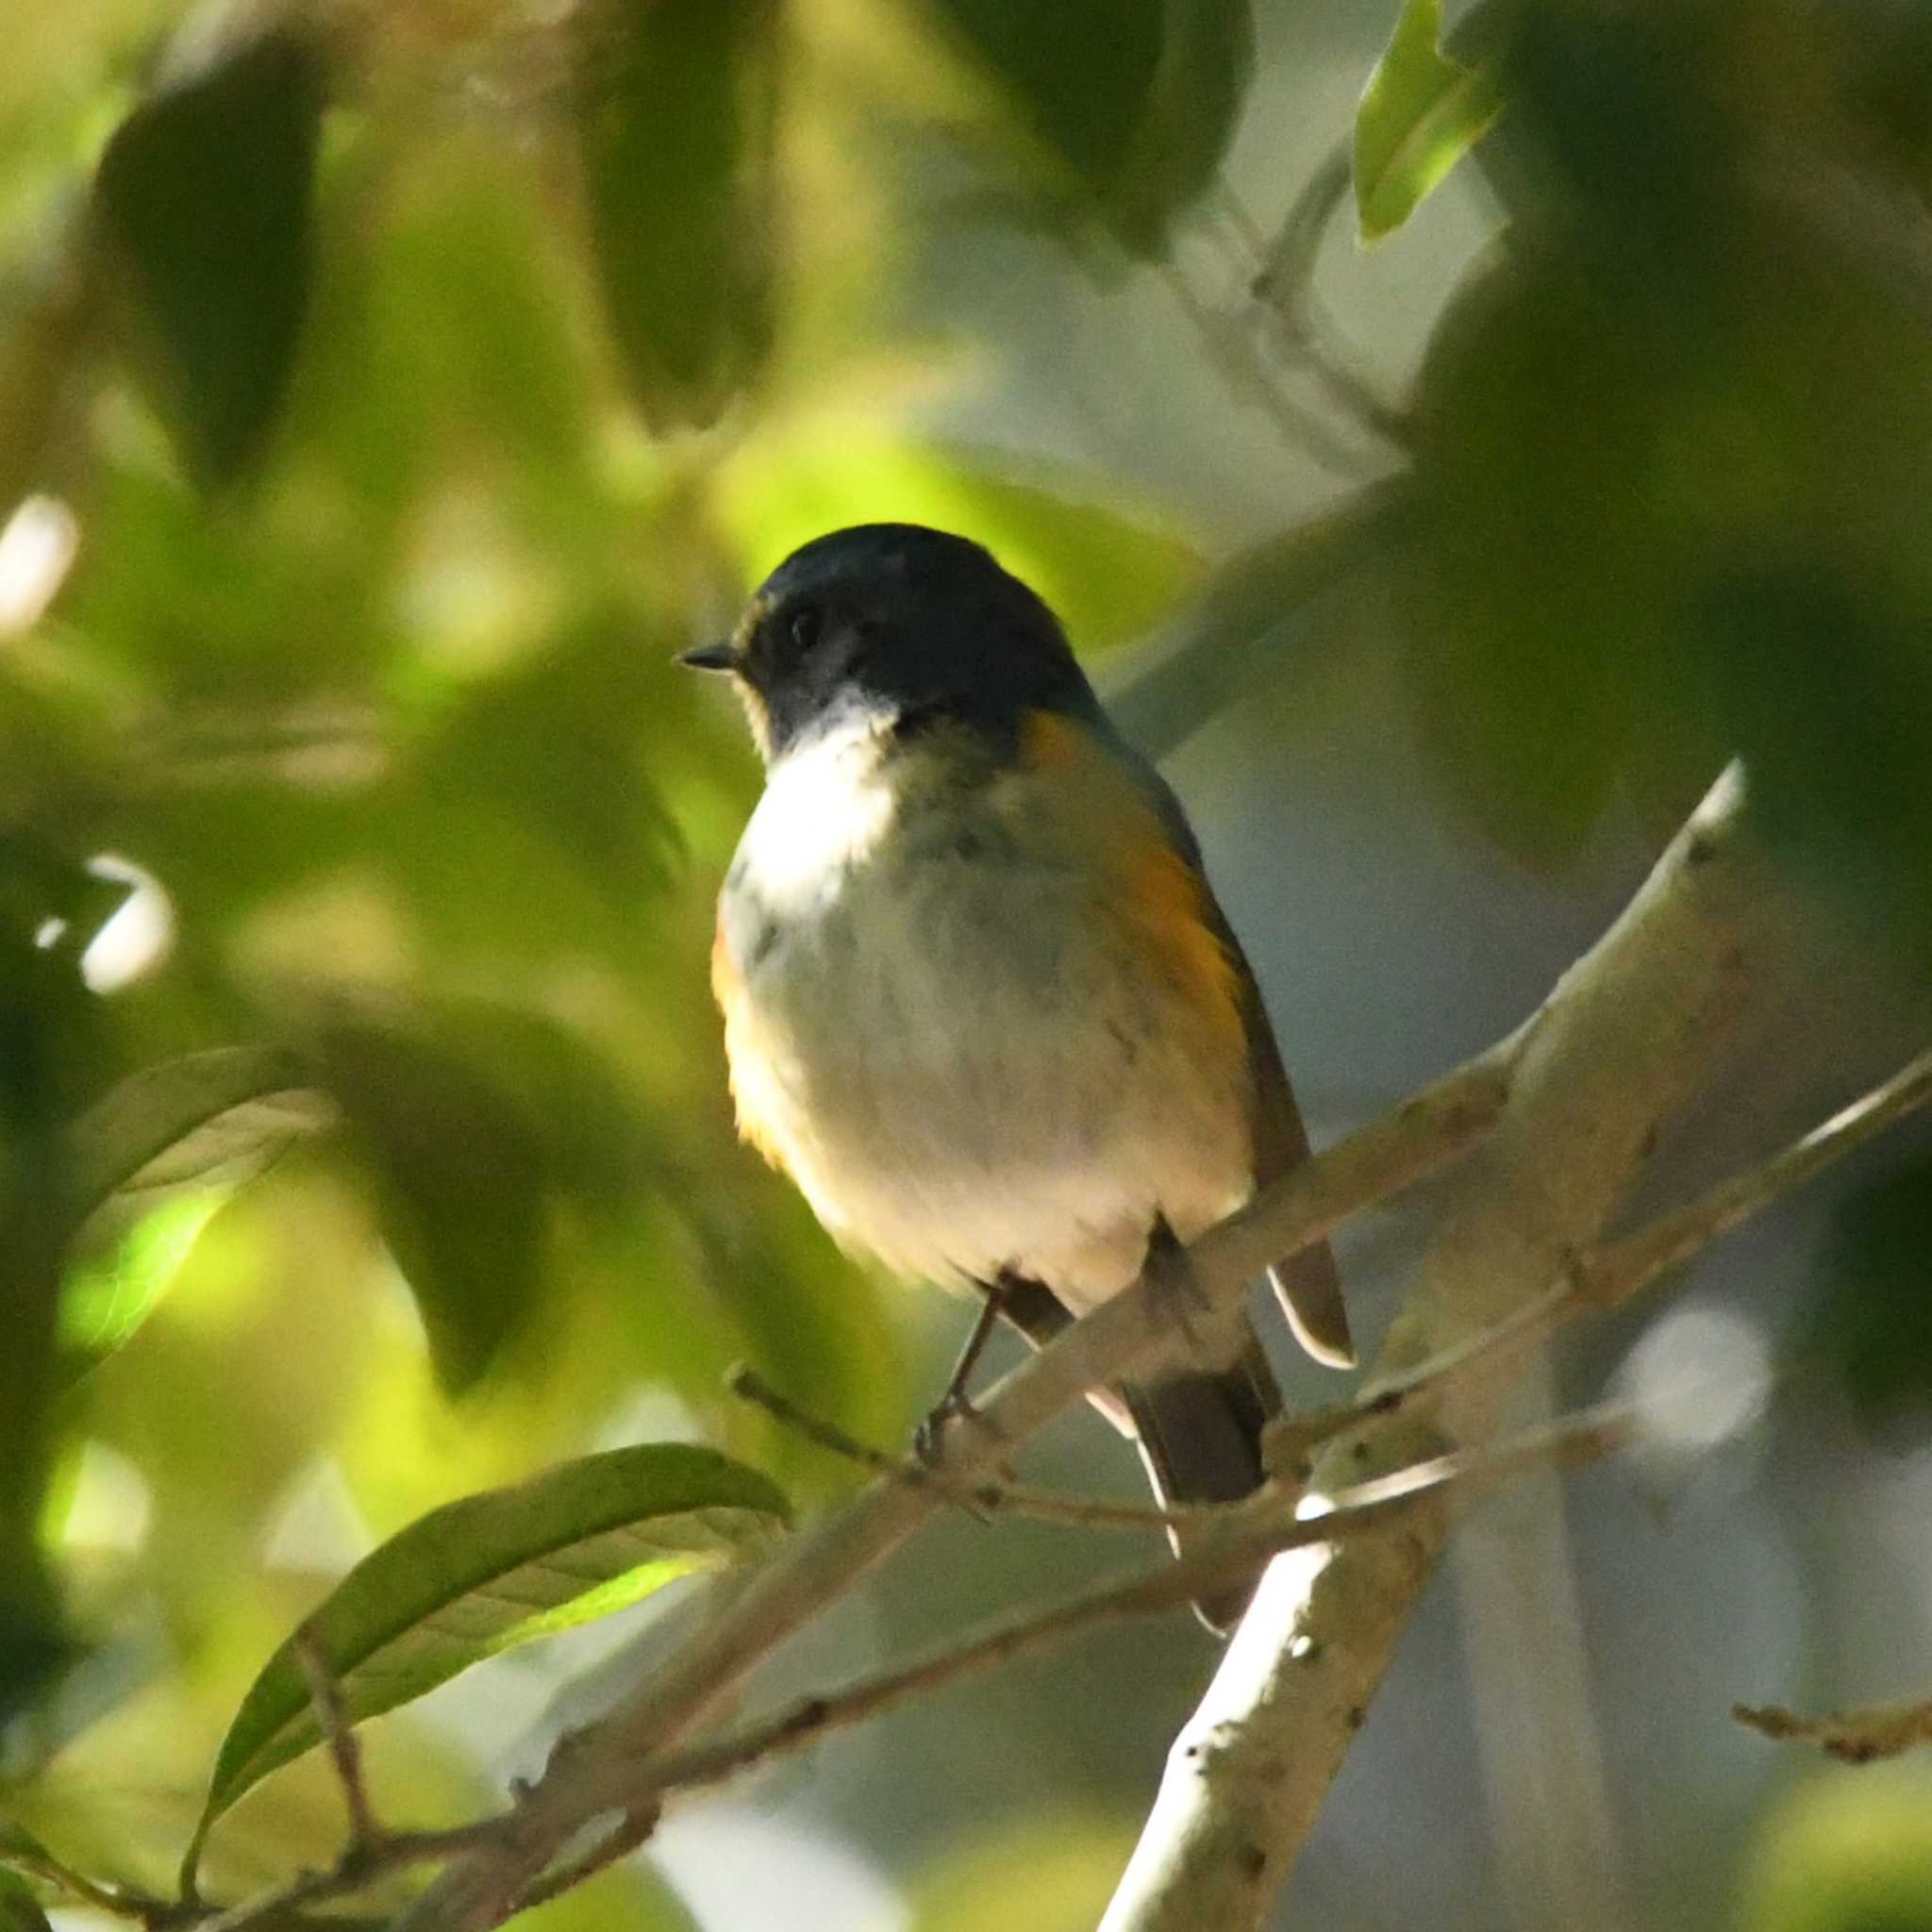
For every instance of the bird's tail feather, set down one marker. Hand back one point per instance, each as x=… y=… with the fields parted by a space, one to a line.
x=1200 y=1437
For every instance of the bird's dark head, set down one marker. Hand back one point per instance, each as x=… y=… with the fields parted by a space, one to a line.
x=897 y=622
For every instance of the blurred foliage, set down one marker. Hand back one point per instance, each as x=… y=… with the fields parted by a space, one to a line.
x=1421 y=112
x=1843 y=1854
x=1871 y=1329
x=411 y=382
x=1050 y=1875
x=488 y=1573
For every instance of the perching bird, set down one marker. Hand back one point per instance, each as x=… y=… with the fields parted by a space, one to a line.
x=979 y=1001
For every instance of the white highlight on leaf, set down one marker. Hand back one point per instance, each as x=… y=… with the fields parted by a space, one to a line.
x=37 y=549
x=135 y=939
x=111 y=1507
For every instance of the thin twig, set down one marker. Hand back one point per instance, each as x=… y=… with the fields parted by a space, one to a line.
x=1130 y=1333
x=357 y=1869
x=1258 y=1530
x=34 y=1861
x=1282 y=287
x=1231 y=351
x=1857 y=1736
x=1616 y=1270
x=339 y=1734
x=1018 y=1499
x=1608 y=1273
x=623 y=1837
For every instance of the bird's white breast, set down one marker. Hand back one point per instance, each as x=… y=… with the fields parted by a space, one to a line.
x=938 y=1026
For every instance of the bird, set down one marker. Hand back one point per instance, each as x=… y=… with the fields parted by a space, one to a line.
x=979 y=1000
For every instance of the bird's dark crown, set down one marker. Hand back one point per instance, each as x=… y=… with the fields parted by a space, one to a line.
x=902 y=621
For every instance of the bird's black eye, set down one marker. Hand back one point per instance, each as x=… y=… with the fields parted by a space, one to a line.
x=803 y=626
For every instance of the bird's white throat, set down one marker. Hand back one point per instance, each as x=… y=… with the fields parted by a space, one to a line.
x=826 y=805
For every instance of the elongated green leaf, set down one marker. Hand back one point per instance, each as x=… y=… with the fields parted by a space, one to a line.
x=1207 y=61
x=205 y=1118
x=1420 y=114
x=1077 y=76
x=673 y=123
x=204 y=201
x=152 y=1162
x=492 y=1571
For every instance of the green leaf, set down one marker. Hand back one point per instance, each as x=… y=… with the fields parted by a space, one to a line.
x=150 y=1163
x=674 y=112
x=489 y=1572
x=204 y=204
x=1132 y=102
x=205 y=1118
x=1874 y=1324
x=1077 y=76
x=460 y=1177
x=1420 y=114
x=1207 y=61
x=108 y=1295
x=20 y=1911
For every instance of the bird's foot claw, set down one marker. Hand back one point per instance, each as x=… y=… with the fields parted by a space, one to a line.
x=929 y=1438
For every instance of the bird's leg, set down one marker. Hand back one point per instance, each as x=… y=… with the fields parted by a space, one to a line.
x=1172 y=1276
x=928 y=1438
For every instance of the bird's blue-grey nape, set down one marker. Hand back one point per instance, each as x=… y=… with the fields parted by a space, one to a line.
x=904 y=621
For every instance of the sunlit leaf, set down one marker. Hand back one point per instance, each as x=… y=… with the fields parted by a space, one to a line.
x=489 y=1572
x=1420 y=114
x=211 y=1117
x=204 y=201
x=106 y=1297
x=1108 y=569
x=674 y=110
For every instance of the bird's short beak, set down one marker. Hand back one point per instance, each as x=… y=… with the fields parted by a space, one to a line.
x=723 y=656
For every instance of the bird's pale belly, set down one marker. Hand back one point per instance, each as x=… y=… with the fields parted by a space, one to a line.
x=967 y=1066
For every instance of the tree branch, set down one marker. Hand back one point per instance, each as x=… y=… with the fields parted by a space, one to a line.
x=1131 y=1333
x=1253 y=1533
x=1857 y=1736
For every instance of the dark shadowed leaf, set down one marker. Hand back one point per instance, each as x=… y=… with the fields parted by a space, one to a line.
x=1132 y=101
x=1207 y=61
x=20 y=1911
x=1078 y=76
x=1874 y=1325
x=1538 y=617
x=675 y=105
x=459 y=1180
x=489 y=1572
x=1420 y=113
x=204 y=203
